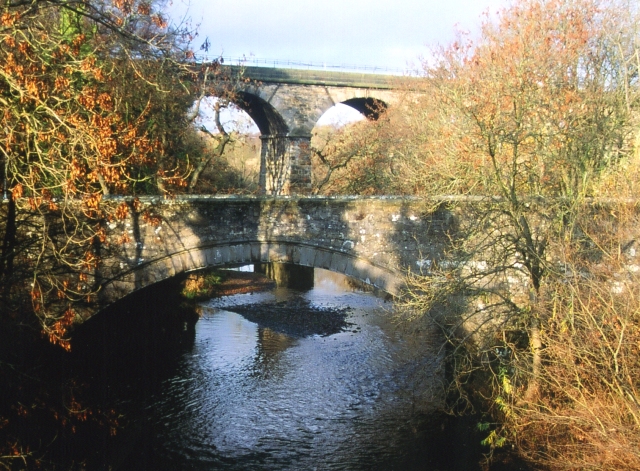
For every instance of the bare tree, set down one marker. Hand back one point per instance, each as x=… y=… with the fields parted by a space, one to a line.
x=523 y=125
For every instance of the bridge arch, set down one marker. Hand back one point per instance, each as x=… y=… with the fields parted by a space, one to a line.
x=372 y=239
x=269 y=121
x=286 y=104
x=276 y=144
x=370 y=107
x=231 y=254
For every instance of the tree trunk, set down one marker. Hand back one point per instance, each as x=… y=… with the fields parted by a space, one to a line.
x=217 y=152
x=8 y=248
x=103 y=184
x=535 y=344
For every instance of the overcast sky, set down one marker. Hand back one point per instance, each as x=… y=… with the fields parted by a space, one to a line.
x=377 y=33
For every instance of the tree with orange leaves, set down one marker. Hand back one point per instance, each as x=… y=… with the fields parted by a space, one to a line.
x=80 y=81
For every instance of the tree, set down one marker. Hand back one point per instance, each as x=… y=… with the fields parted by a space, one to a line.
x=525 y=121
x=224 y=84
x=360 y=158
x=75 y=126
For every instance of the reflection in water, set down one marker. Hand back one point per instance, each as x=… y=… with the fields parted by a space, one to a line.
x=270 y=347
x=251 y=397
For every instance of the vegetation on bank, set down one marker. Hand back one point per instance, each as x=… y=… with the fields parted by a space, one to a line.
x=202 y=285
x=206 y=284
x=537 y=118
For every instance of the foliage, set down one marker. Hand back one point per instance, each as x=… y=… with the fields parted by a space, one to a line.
x=89 y=109
x=588 y=408
x=356 y=159
x=219 y=89
x=202 y=286
x=526 y=123
x=585 y=415
x=95 y=99
x=236 y=170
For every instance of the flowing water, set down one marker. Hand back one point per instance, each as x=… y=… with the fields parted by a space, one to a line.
x=256 y=390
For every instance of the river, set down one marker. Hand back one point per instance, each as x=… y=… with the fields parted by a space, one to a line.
x=321 y=379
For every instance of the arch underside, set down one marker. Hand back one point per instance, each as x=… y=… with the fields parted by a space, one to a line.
x=266 y=117
x=370 y=107
x=237 y=254
x=270 y=121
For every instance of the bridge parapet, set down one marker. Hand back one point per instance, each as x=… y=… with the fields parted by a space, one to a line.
x=375 y=240
x=328 y=78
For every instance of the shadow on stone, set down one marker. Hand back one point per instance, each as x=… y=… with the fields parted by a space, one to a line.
x=150 y=324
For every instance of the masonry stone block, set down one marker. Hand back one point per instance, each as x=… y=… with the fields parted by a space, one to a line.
x=361 y=270
x=165 y=268
x=256 y=251
x=377 y=276
x=176 y=261
x=129 y=277
x=288 y=253
x=117 y=290
x=187 y=262
x=235 y=254
x=198 y=258
x=338 y=263
x=246 y=253
x=295 y=255
x=225 y=255
x=323 y=260
x=307 y=256
x=240 y=253
x=264 y=252
x=277 y=253
x=350 y=269
x=143 y=279
x=210 y=256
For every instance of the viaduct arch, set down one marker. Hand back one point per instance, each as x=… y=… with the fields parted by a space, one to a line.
x=286 y=104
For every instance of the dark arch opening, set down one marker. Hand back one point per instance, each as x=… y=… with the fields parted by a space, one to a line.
x=244 y=253
x=371 y=108
x=263 y=114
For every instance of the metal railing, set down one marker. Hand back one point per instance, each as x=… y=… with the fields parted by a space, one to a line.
x=295 y=64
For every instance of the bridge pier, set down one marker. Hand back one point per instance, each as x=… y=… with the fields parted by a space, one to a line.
x=285 y=165
x=287 y=275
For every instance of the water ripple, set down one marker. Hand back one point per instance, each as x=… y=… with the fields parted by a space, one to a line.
x=249 y=397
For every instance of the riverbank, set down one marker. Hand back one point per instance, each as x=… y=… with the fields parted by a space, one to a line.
x=238 y=282
x=206 y=284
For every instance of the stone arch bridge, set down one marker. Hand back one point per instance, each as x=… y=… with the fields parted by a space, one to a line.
x=375 y=240
x=286 y=104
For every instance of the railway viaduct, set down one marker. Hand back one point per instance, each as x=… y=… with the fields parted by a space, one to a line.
x=286 y=104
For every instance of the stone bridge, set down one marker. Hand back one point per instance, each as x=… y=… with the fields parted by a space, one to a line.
x=374 y=240
x=286 y=104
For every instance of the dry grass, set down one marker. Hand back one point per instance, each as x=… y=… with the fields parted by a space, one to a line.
x=587 y=415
